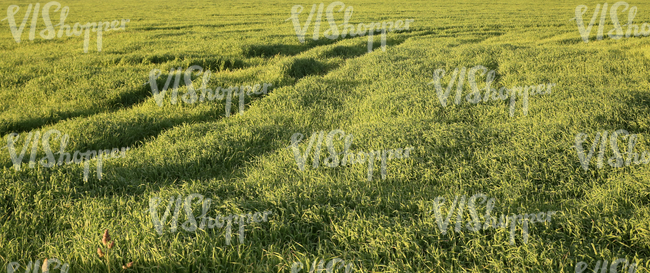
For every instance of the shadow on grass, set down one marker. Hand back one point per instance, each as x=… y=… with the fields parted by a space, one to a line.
x=30 y=124
x=304 y=67
x=633 y=116
x=570 y=41
x=121 y=100
x=267 y=51
x=7 y=205
x=347 y=52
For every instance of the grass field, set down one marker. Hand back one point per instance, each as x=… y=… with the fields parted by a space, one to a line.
x=527 y=163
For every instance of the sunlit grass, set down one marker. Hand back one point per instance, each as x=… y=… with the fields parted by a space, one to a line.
x=526 y=162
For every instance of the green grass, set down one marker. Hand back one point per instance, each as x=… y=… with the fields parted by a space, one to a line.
x=527 y=163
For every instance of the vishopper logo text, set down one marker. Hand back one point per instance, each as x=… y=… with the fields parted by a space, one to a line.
x=191 y=225
x=333 y=32
x=475 y=224
x=616 y=160
x=615 y=33
x=349 y=158
x=14 y=266
x=490 y=93
x=49 y=160
x=49 y=32
x=601 y=266
x=331 y=266
x=191 y=96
